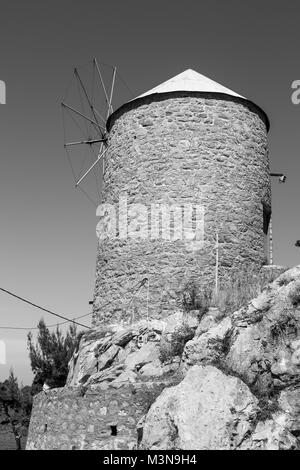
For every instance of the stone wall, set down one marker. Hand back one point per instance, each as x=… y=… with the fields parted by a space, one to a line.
x=100 y=417
x=175 y=150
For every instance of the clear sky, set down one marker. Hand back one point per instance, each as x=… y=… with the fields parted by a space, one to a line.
x=48 y=241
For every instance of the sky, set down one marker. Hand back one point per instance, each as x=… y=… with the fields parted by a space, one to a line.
x=48 y=239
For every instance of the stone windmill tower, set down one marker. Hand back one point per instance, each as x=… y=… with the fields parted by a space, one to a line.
x=189 y=143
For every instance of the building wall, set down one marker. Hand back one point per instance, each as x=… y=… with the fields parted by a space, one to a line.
x=66 y=418
x=175 y=150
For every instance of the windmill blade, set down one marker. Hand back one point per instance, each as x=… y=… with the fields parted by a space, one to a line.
x=65 y=105
x=90 y=169
x=90 y=142
x=110 y=108
x=101 y=80
x=87 y=104
x=87 y=98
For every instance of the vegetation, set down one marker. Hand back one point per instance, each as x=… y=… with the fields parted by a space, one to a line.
x=295 y=296
x=174 y=347
x=286 y=326
x=233 y=294
x=15 y=407
x=50 y=356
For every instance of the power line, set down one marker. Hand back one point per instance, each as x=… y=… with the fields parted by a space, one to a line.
x=42 y=308
x=47 y=326
x=68 y=320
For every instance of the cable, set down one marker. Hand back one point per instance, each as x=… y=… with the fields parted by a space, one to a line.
x=42 y=308
x=139 y=285
x=47 y=326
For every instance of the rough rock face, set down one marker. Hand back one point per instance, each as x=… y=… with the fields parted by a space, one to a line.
x=211 y=410
x=178 y=150
x=259 y=345
x=230 y=381
x=260 y=342
x=119 y=354
x=207 y=410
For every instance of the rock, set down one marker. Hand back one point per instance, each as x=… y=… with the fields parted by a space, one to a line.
x=208 y=347
x=149 y=352
x=270 y=435
x=102 y=348
x=83 y=362
x=152 y=369
x=188 y=319
x=108 y=375
x=259 y=342
x=240 y=374
x=209 y=320
x=207 y=410
x=125 y=378
x=289 y=402
x=123 y=337
x=107 y=358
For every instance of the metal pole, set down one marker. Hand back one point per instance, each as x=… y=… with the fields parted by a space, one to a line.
x=111 y=92
x=271 y=240
x=83 y=115
x=87 y=97
x=217 y=264
x=148 y=305
x=90 y=169
x=90 y=142
x=99 y=73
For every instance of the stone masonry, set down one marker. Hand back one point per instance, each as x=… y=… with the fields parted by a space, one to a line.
x=100 y=418
x=180 y=148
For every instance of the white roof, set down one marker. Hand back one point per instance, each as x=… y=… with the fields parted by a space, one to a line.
x=189 y=80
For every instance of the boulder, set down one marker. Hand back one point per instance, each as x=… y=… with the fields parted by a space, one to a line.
x=207 y=347
x=207 y=410
x=271 y=435
x=148 y=353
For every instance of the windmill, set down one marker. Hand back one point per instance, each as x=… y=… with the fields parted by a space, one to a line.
x=91 y=96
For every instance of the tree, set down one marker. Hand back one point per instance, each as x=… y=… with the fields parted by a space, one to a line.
x=50 y=356
x=16 y=404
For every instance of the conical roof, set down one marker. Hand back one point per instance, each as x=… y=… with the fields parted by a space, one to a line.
x=193 y=82
x=189 y=80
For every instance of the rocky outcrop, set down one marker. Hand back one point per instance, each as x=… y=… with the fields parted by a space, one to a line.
x=212 y=410
x=231 y=378
x=207 y=410
x=259 y=348
x=259 y=343
x=121 y=354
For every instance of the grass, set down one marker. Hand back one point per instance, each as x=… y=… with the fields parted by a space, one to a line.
x=234 y=293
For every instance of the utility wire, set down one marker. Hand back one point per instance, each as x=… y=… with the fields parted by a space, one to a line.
x=47 y=326
x=138 y=286
x=42 y=308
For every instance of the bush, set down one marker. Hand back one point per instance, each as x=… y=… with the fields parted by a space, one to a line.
x=294 y=296
x=284 y=327
x=196 y=298
x=174 y=347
